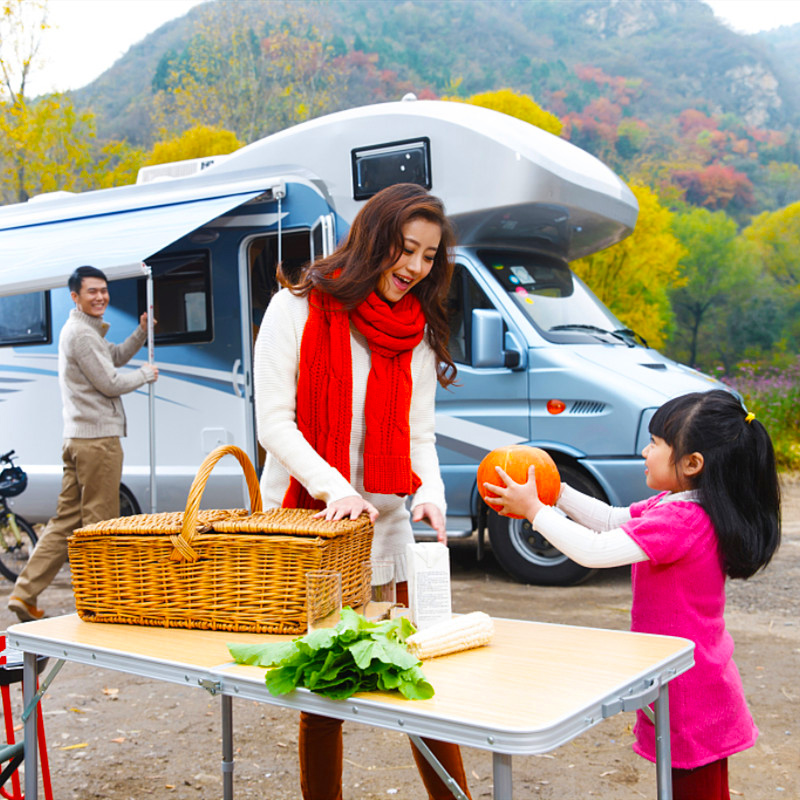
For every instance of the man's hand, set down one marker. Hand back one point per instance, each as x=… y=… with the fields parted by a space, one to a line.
x=143 y=322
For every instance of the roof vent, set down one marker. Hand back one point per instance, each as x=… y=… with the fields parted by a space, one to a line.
x=177 y=169
x=37 y=198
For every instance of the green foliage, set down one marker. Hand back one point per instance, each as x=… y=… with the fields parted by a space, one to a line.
x=633 y=278
x=772 y=393
x=714 y=269
x=776 y=238
x=355 y=656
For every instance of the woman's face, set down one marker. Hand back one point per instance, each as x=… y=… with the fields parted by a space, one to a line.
x=421 y=239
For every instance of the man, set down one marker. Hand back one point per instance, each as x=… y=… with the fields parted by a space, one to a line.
x=94 y=420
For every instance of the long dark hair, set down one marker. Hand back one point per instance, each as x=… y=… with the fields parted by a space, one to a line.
x=374 y=243
x=738 y=484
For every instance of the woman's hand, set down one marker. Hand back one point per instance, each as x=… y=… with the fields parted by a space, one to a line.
x=351 y=506
x=520 y=499
x=434 y=517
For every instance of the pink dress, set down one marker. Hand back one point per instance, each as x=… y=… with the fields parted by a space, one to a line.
x=680 y=591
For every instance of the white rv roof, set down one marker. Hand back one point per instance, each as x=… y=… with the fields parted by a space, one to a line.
x=485 y=166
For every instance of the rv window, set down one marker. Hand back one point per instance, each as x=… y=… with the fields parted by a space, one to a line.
x=464 y=296
x=263 y=260
x=25 y=319
x=558 y=303
x=379 y=166
x=181 y=298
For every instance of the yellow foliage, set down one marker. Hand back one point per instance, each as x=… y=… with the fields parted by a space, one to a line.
x=633 y=277
x=775 y=235
x=518 y=105
x=198 y=142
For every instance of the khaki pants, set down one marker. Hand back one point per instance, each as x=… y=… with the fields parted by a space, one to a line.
x=89 y=493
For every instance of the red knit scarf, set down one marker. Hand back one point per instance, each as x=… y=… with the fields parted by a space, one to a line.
x=325 y=390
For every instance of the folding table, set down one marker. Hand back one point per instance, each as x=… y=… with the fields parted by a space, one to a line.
x=536 y=687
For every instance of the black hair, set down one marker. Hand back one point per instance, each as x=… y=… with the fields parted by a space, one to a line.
x=738 y=484
x=76 y=279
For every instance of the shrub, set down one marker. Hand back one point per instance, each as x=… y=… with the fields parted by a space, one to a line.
x=772 y=393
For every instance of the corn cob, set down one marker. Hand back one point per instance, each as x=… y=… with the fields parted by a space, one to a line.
x=460 y=633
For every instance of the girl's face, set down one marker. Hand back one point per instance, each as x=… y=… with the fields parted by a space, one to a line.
x=658 y=466
x=421 y=239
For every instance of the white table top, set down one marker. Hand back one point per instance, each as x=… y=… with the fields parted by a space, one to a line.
x=536 y=686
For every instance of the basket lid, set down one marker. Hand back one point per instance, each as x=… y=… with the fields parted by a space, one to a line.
x=291 y=521
x=165 y=522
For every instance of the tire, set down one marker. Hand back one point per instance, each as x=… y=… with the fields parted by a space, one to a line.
x=15 y=554
x=128 y=507
x=526 y=555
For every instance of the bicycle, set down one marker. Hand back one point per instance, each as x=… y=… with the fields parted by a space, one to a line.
x=17 y=536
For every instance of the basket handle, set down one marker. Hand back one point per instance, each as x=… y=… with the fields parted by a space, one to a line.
x=183 y=544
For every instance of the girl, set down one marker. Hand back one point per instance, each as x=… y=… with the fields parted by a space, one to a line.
x=717 y=514
x=346 y=366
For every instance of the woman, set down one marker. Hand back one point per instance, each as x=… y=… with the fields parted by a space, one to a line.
x=346 y=366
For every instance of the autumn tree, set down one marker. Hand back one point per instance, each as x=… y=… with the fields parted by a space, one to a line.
x=198 y=142
x=634 y=278
x=716 y=187
x=714 y=266
x=46 y=144
x=775 y=237
x=517 y=105
x=251 y=74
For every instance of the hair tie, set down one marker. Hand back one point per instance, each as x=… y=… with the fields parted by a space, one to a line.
x=750 y=417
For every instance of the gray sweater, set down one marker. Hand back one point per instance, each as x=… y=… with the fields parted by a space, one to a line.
x=90 y=383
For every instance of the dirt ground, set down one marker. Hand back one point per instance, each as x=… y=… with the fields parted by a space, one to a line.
x=120 y=737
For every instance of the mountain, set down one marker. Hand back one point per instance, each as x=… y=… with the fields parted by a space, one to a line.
x=664 y=56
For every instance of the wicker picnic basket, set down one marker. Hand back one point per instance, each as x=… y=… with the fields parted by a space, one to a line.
x=214 y=569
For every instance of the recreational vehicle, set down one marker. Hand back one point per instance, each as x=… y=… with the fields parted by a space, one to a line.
x=540 y=359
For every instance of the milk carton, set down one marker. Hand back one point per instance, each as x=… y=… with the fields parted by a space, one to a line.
x=428 y=568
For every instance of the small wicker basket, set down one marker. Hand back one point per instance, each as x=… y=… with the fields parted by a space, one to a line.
x=215 y=569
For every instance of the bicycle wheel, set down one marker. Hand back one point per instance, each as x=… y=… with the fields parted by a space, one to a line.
x=15 y=550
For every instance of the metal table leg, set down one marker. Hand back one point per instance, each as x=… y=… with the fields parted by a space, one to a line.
x=227 y=747
x=31 y=743
x=501 y=769
x=663 y=752
x=448 y=781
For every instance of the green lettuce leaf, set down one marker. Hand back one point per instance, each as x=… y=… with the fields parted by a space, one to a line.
x=355 y=656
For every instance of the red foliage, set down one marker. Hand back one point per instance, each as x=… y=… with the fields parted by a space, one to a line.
x=715 y=186
x=692 y=121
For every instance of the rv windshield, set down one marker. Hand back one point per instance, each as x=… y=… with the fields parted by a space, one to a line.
x=558 y=303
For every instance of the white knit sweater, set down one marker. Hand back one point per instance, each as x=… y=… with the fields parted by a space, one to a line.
x=90 y=382
x=277 y=356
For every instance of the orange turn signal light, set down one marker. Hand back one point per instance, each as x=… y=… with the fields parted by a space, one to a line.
x=556 y=406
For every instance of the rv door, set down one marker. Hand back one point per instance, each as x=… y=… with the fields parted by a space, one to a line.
x=257 y=281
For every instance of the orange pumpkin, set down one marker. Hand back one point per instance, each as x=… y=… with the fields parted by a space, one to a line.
x=514 y=460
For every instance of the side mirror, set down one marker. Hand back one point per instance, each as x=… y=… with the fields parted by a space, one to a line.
x=488 y=348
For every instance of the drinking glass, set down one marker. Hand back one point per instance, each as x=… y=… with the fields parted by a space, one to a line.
x=382 y=590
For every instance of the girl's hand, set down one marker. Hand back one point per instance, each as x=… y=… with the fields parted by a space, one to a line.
x=351 y=506
x=520 y=499
x=434 y=517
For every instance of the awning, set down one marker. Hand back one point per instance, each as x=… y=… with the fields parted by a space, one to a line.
x=42 y=256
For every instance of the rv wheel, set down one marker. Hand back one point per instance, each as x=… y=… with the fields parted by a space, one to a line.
x=128 y=507
x=526 y=555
